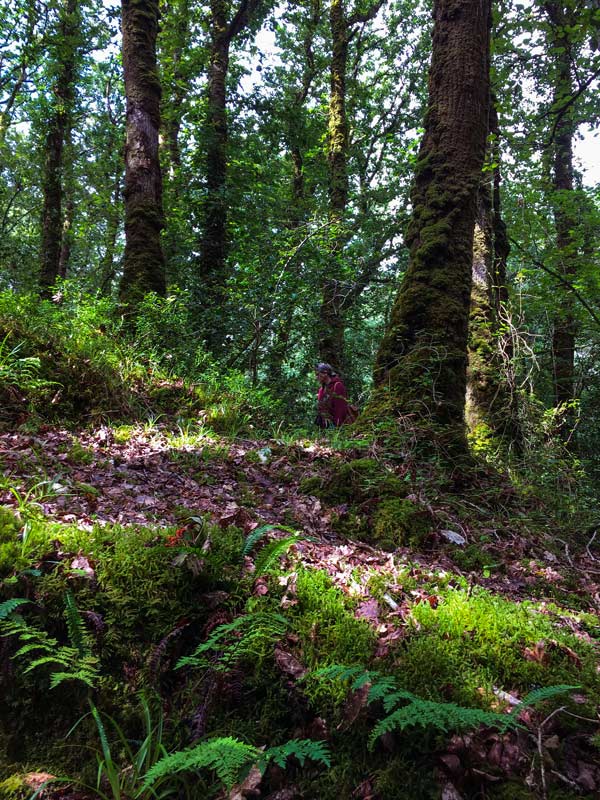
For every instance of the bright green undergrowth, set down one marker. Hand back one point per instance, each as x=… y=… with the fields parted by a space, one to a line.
x=150 y=585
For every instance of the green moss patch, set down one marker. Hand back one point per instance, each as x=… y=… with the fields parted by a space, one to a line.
x=398 y=522
x=355 y=481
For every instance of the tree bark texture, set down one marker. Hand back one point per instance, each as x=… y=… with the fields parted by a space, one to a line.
x=491 y=399
x=57 y=132
x=331 y=323
x=422 y=359
x=213 y=252
x=143 y=260
x=565 y=325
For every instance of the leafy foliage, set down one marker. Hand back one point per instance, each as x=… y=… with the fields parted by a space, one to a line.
x=272 y=552
x=71 y=663
x=8 y=607
x=248 y=635
x=231 y=758
x=426 y=713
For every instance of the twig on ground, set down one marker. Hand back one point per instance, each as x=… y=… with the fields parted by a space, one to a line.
x=568 y=555
x=589 y=544
x=540 y=748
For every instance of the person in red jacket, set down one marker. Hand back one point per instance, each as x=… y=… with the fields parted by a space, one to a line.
x=332 y=398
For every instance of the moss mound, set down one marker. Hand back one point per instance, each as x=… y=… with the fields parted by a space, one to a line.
x=398 y=522
x=355 y=481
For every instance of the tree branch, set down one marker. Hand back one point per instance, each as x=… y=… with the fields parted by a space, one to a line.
x=560 y=279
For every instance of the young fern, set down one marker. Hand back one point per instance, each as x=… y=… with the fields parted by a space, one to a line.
x=8 y=607
x=248 y=635
x=232 y=759
x=426 y=713
x=78 y=634
x=259 y=533
x=444 y=716
x=272 y=552
x=227 y=757
x=300 y=749
x=254 y=537
x=72 y=662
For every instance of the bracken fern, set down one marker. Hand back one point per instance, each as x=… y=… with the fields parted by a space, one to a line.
x=75 y=662
x=231 y=759
x=248 y=635
x=427 y=713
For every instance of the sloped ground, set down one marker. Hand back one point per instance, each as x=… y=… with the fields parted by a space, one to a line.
x=153 y=477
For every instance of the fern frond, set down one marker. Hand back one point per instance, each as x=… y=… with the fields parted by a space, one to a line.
x=104 y=744
x=8 y=607
x=78 y=635
x=32 y=647
x=380 y=685
x=82 y=675
x=270 y=553
x=247 y=635
x=40 y=662
x=390 y=701
x=381 y=688
x=544 y=693
x=444 y=716
x=339 y=672
x=225 y=756
x=301 y=749
x=254 y=537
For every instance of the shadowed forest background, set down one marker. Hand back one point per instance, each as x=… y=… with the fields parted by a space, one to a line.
x=201 y=594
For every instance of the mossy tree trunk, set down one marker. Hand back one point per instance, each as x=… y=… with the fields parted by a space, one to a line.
x=212 y=275
x=335 y=298
x=143 y=260
x=295 y=140
x=174 y=43
x=422 y=360
x=491 y=392
x=565 y=325
x=58 y=128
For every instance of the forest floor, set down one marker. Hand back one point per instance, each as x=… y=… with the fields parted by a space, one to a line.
x=151 y=476
x=148 y=476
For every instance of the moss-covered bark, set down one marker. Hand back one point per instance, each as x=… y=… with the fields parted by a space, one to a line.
x=421 y=363
x=143 y=261
x=565 y=325
x=58 y=126
x=331 y=325
x=335 y=294
x=491 y=395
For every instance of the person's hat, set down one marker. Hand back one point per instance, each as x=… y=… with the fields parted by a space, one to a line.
x=325 y=368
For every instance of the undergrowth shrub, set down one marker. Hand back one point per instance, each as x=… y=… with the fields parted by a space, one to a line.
x=77 y=353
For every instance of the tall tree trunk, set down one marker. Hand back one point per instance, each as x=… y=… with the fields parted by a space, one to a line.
x=491 y=396
x=335 y=296
x=212 y=275
x=143 y=261
x=213 y=250
x=176 y=86
x=331 y=324
x=422 y=360
x=565 y=325
x=57 y=128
